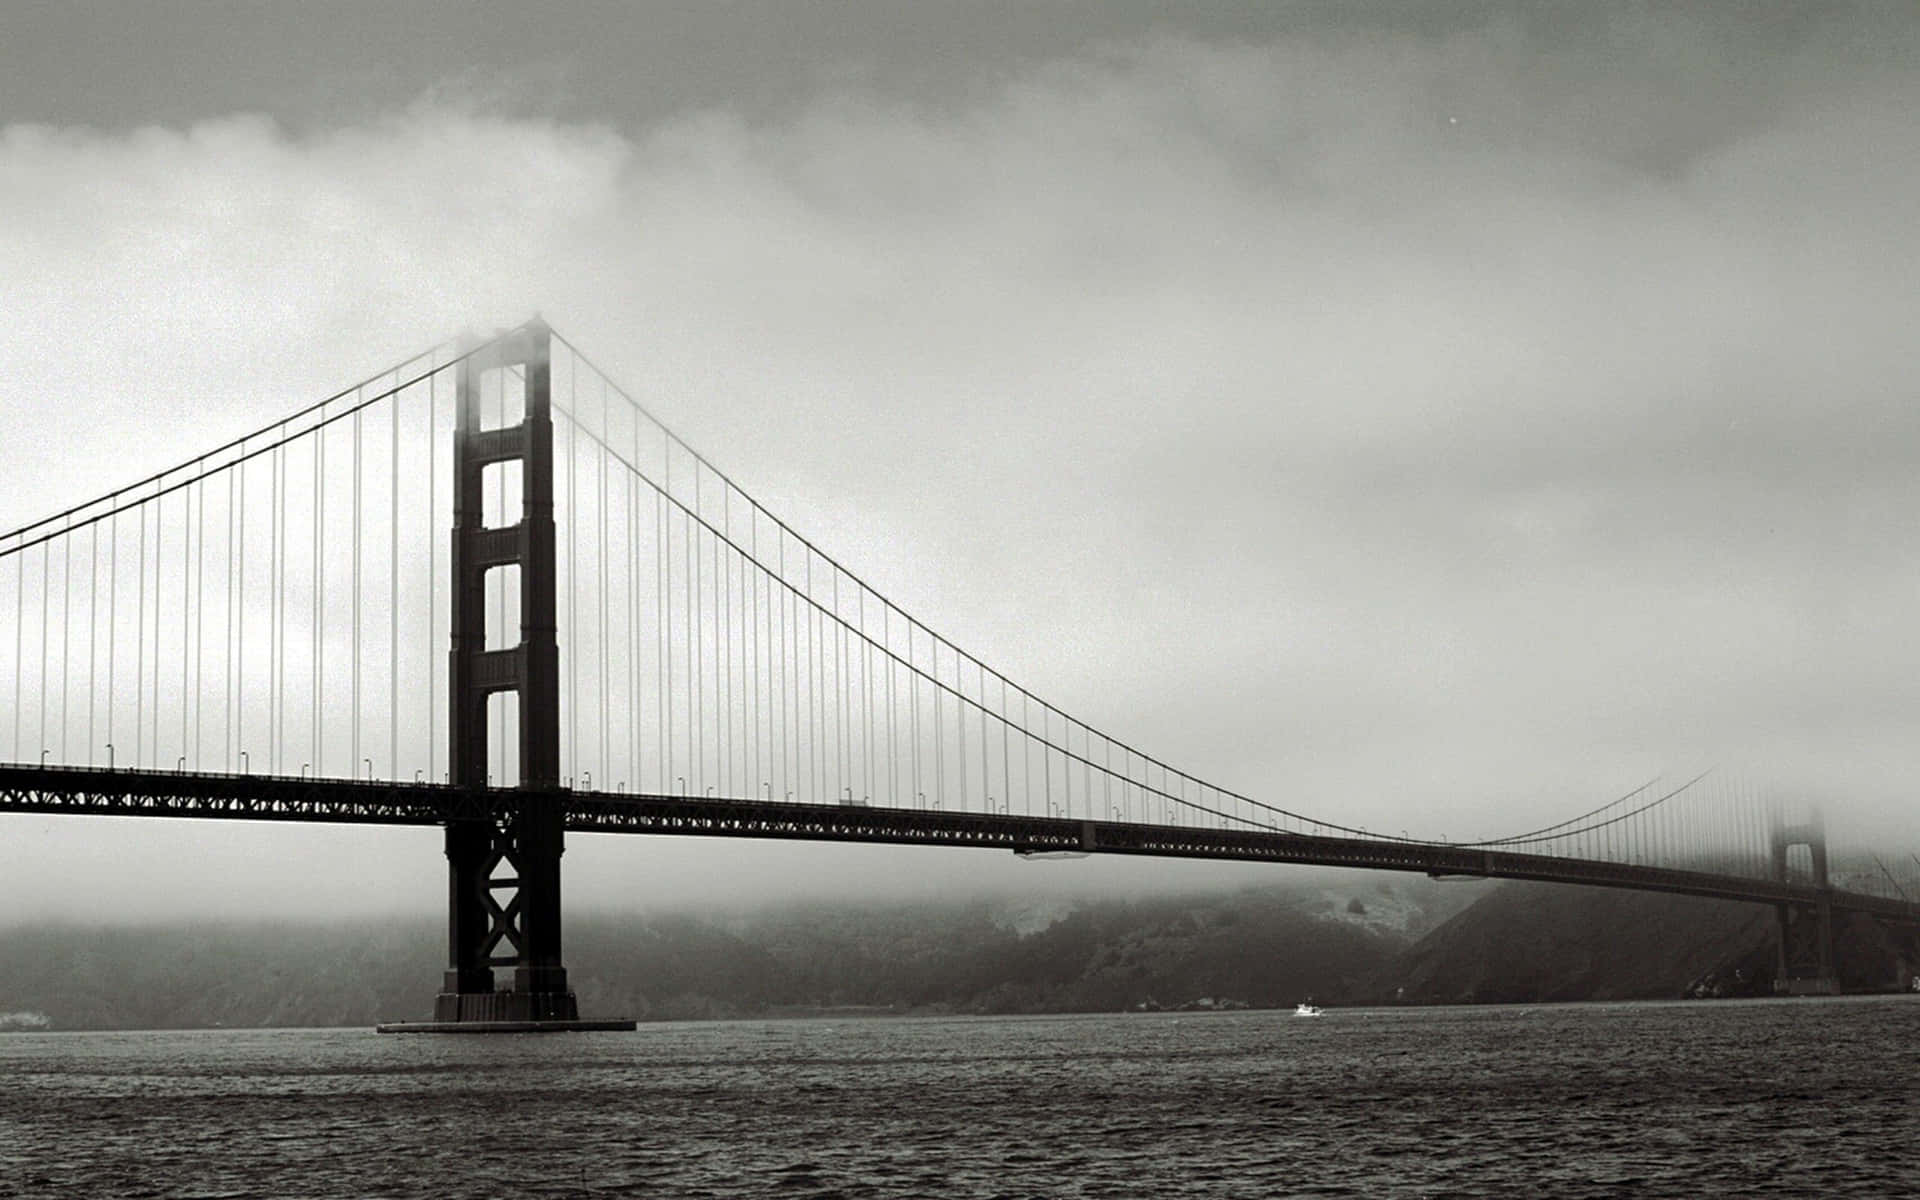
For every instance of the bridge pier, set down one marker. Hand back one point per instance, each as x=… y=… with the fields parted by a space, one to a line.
x=1805 y=959
x=1804 y=963
x=503 y=871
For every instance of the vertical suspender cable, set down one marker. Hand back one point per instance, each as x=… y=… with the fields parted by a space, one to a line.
x=227 y=644
x=774 y=601
x=1688 y=851
x=803 y=669
x=843 y=678
x=842 y=732
x=913 y=681
x=867 y=647
x=754 y=591
x=601 y=567
x=496 y=589
x=799 y=778
x=663 y=617
x=728 y=557
x=816 y=778
x=893 y=709
x=113 y=632
x=784 y=671
x=199 y=626
x=840 y=692
x=772 y=703
x=834 y=762
x=814 y=739
x=838 y=648
x=433 y=563
x=690 y=569
x=66 y=624
x=939 y=729
x=986 y=766
x=696 y=603
x=573 y=626
x=777 y=669
x=776 y=604
x=112 y=626
x=1006 y=764
x=763 y=598
x=159 y=596
x=739 y=747
x=800 y=772
x=353 y=763
x=93 y=631
x=186 y=612
x=688 y=646
x=960 y=721
x=1106 y=779
x=319 y=590
x=1046 y=754
x=46 y=599
x=1743 y=851
x=239 y=669
x=140 y=656
x=843 y=686
x=866 y=684
x=763 y=592
x=817 y=631
x=19 y=626
x=635 y=714
x=393 y=588
x=1086 y=777
x=805 y=740
x=1066 y=766
x=277 y=613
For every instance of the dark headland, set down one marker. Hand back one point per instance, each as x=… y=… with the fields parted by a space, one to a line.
x=1350 y=940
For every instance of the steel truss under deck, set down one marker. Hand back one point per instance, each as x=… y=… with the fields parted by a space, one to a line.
x=100 y=792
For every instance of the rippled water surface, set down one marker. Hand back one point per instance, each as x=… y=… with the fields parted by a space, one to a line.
x=1790 y=1098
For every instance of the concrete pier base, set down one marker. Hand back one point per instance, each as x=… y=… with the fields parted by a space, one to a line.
x=506 y=1027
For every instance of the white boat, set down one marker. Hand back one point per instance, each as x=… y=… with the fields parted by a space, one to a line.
x=1304 y=1009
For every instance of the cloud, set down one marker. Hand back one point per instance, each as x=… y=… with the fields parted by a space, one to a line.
x=1446 y=432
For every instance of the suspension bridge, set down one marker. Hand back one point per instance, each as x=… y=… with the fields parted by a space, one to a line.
x=487 y=590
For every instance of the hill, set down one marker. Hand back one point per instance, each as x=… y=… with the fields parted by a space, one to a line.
x=1530 y=942
x=1352 y=939
x=1267 y=946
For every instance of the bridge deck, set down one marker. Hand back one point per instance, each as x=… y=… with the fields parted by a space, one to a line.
x=124 y=793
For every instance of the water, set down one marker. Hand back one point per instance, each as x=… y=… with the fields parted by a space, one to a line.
x=1789 y=1098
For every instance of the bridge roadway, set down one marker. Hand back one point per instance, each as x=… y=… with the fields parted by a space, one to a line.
x=93 y=791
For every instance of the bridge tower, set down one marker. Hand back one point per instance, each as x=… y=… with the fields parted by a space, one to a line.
x=503 y=894
x=1805 y=963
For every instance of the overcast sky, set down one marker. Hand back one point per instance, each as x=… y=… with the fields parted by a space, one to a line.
x=1439 y=418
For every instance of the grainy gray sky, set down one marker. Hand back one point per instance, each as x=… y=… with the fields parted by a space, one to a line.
x=1440 y=417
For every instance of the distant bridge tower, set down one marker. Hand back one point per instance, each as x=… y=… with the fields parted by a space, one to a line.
x=1805 y=964
x=503 y=904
